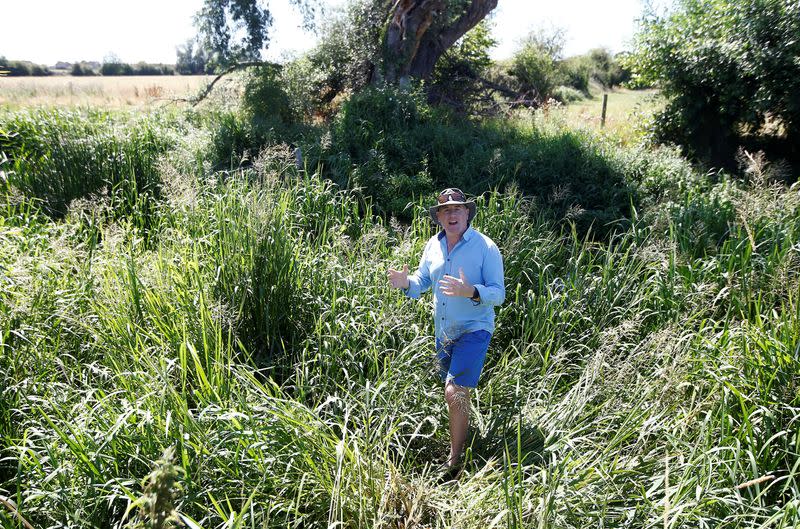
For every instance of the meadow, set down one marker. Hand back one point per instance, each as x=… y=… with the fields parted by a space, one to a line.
x=97 y=91
x=189 y=341
x=625 y=111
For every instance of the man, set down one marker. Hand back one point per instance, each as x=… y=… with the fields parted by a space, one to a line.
x=467 y=270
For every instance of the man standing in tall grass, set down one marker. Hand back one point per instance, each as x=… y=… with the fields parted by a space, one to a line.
x=467 y=268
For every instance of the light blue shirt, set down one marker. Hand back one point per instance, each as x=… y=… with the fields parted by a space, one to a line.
x=478 y=255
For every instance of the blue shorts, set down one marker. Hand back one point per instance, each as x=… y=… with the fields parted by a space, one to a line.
x=461 y=360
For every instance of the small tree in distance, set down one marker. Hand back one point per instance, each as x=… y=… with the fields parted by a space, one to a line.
x=730 y=72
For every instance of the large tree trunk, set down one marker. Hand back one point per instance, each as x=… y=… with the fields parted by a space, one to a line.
x=414 y=38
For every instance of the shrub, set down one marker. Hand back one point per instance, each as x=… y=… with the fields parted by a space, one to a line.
x=116 y=68
x=265 y=99
x=397 y=148
x=306 y=87
x=567 y=94
x=574 y=73
x=143 y=68
x=192 y=58
x=22 y=68
x=81 y=69
x=455 y=79
x=376 y=131
x=343 y=60
x=726 y=67
x=607 y=69
x=535 y=70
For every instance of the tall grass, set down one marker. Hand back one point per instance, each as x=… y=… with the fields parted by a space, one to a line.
x=59 y=156
x=246 y=364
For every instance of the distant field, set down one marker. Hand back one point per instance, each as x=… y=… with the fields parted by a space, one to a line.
x=112 y=92
x=623 y=111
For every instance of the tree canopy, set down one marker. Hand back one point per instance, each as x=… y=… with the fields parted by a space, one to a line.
x=729 y=69
x=238 y=30
x=413 y=33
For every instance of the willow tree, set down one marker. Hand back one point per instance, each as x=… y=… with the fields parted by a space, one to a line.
x=414 y=36
x=418 y=32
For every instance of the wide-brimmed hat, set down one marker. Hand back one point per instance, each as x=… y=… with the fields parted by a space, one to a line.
x=452 y=196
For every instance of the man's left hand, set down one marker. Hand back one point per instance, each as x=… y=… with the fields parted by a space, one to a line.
x=456 y=286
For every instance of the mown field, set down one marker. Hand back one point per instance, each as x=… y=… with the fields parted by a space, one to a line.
x=196 y=332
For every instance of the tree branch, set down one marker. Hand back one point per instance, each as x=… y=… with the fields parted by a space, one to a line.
x=476 y=12
x=238 y=66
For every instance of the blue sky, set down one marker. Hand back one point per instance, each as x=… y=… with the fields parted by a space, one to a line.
x=46 y=31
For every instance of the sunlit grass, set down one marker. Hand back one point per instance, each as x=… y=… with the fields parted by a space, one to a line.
x=231 y=355
x=625 y=111
x=140 y=92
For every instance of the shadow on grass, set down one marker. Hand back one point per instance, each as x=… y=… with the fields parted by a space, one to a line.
x=506 y=435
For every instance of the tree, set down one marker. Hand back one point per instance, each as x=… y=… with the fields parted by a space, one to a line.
x=238 y=30
x=418 y=32
x=729 y=69
x=192 y=58
x=459 y=78
x=413 y=36
x=535 y=65
x=113 y=65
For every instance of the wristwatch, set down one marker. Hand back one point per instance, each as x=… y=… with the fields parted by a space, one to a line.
x=476 y=296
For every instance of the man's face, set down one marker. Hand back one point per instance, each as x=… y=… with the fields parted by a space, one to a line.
x=453 y=218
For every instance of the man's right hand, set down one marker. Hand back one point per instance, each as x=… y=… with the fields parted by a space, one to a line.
x=398 y=278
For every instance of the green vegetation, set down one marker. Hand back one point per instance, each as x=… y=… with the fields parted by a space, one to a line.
x=58 y=156
x=196 y=327
x=730 y=73
x=231 y=353
x=22 y=68
x=116 y=67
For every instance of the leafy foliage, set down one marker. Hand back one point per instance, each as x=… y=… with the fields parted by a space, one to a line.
x=257 y=341
x=61 y=156
x=247 y=365
x=535 y=65
x=80 y=69
x=22 y=68
x=264 y=98
x=607 y=69
x=457 y=76
x=238 y=30
x=343 y=60
x=395 y=146
x=728 y=67
x=111 y=68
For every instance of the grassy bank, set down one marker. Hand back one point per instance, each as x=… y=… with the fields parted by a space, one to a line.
x=234 y=353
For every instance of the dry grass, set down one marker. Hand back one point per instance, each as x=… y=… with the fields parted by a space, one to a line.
x=104 y=92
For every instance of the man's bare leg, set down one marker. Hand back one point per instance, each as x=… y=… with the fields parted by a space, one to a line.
x=457 y=398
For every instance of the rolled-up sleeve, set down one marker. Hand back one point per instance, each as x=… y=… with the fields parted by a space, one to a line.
x=493 y=290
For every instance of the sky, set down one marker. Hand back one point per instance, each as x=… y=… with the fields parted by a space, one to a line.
x=47 y=31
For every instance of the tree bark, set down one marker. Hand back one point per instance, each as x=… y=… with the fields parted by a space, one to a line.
x=413 y=42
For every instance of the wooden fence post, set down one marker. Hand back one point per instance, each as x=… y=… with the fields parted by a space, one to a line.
x=603 y=115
